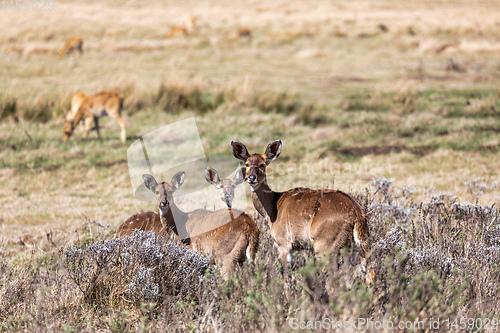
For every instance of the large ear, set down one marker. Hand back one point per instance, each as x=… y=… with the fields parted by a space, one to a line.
x=178 y=180
x=273 y=150
x=240 y=176
x=150 y=182
x=240 y=151
x=212 y=177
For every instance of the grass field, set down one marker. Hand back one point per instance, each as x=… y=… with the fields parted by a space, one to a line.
x=356 y=90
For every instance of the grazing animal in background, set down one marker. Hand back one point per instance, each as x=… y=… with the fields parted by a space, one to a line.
x=227 y=242
x=91 y=108
x=244 y=33
x=191 y=22
x=184 y=31
x=329 y=219
x=177 y=31
x=71 y=44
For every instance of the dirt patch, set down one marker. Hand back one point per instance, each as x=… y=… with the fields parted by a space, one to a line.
x=335 y=80
x=379 y=150
x=108 y=164
x=385 y=150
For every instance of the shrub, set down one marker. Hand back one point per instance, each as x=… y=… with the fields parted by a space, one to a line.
x=140 y=268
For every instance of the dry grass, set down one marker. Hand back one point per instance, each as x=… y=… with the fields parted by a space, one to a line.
x=435 y=259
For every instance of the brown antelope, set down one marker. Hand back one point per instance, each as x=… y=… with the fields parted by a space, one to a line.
x=227 y=240
x=329 y=219
x=71 y=44
x=91 y=108
x=183 y=30
x=244 y=33
x=177 y=31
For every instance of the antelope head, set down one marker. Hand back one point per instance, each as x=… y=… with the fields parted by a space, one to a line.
x=255 y=164
x=68 y=128
x=164 y=191
x=225 y=186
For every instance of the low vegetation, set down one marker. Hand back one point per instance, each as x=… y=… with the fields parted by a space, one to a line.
x=434 y=259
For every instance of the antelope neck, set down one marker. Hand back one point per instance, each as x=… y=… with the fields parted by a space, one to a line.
x=265 y=201
x=178 y=216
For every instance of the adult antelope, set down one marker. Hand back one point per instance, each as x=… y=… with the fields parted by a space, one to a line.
x=329 y=219
x=91 y=108
x=71 y=44
x=226 y=240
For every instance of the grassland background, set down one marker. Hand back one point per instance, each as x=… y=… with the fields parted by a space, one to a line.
x=407 y=90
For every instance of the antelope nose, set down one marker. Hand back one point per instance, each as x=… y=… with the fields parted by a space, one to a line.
x=252 y=178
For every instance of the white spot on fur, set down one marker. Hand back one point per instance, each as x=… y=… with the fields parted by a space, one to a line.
x=356 y=239
x=248 y=254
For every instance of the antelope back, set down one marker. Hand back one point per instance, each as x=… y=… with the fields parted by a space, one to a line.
x=145 y=221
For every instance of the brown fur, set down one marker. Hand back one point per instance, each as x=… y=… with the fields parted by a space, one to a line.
x=72 y=44
x=76 y=101
x=244 y=33
x=145 y=221
x=91 y=108
x=225 y=241
x=177 y=31
x=184 y=31
x=228 y=241
x=326 y=218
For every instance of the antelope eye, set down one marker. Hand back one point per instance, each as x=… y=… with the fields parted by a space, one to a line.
x=157 y=192
x=247 y=165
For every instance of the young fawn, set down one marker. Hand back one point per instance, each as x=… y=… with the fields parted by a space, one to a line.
x=226 y=189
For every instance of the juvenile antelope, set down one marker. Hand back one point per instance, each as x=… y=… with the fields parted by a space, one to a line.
x=227 y=240
x=91 y=108
x=226 y=189
x=71 y=44
x=329 y=219
x=163 y=223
